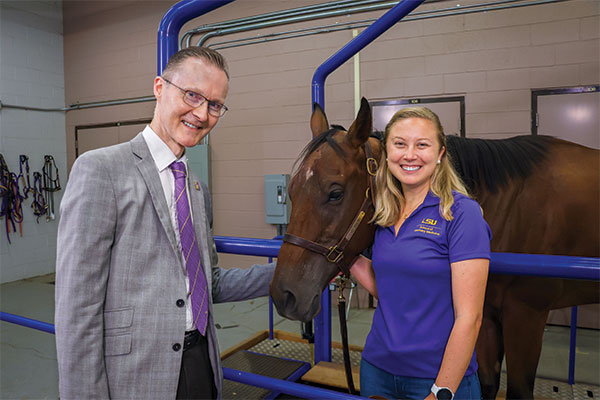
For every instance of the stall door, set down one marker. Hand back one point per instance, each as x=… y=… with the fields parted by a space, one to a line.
x=93 y=137
x=571 y=116
x=448 y=110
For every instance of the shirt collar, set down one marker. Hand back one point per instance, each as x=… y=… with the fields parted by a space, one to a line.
x=161 y=153
x=430 y=200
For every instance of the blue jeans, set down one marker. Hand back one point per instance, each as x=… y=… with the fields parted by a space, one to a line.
x=375 y=381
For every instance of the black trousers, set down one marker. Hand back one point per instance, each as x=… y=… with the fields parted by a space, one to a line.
x=196 y=378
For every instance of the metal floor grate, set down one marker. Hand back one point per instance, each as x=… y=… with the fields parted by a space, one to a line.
x=266 y=365
x=300 y=351
x=552 y=389
x=544 y=388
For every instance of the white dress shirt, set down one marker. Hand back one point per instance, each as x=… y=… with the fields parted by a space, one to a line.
x=163 y=158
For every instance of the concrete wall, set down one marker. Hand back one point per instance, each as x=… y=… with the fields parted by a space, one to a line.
x=31 y=74
x=494 y=59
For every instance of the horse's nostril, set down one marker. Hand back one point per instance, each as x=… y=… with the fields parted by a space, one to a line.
x=289 y=300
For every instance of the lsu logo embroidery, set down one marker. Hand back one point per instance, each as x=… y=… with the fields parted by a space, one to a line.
x=428 y=226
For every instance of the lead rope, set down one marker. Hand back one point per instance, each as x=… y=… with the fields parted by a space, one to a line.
x=341 y=282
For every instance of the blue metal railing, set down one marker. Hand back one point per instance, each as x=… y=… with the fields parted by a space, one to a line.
x=295 y=389
x=503 y=263
x=371 y=33
x=168 y=44
x=173 y=20
x=27 y=322
x=322 y=321
x=587 y=268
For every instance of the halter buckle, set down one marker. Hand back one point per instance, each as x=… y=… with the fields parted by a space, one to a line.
x=372 y=166
x=334 y=254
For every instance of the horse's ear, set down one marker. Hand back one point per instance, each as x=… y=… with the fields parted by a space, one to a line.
x=318 y=121
x=361 y=128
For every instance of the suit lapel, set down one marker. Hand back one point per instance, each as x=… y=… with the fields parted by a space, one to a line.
x=147 y=168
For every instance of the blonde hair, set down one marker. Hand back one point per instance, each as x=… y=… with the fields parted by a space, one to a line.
x=390 y=199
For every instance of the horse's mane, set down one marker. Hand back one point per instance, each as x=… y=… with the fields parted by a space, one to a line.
x=326 y=136
x=492 y=163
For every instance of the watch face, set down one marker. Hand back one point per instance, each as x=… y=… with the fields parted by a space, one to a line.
x=444 y=394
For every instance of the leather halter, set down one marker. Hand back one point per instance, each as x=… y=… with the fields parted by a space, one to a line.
x=335 y=253
x=51 y=184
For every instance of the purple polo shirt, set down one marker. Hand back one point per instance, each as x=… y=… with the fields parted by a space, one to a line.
x=414 y=315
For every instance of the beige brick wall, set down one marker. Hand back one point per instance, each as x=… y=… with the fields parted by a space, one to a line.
x=494 y=59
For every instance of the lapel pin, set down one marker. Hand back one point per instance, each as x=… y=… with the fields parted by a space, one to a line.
x=197 y=185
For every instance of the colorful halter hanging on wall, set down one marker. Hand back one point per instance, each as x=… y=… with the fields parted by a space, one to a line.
x=10 y=207
x=24 y=177
x=16 y=188
x=39 y=203
x=51 y=184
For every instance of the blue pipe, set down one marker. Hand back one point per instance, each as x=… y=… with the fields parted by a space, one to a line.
x=322 y=330
x=549 y=266
x=508 y=263
x=295 y=389
x=386 y=21
x=271 y=336
x=399 y=11
x=29 y=323
x=248 y=246
x=572 y=345
x=173 y=20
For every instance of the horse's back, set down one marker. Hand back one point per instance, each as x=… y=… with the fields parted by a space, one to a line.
x=573 y=197
x=553 y=211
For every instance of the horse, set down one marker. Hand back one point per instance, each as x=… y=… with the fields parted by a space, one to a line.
x=540 y=195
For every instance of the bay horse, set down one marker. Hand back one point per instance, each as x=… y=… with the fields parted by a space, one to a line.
x=540 y=195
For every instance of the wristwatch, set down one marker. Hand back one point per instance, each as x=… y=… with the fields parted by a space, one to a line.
x=441 y=393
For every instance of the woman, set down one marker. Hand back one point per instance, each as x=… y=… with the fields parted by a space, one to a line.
x=429 y=269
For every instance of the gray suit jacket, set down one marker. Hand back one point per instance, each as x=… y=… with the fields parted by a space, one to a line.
x=119 y=274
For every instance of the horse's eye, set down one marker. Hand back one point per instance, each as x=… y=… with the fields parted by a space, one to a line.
x=336 y=195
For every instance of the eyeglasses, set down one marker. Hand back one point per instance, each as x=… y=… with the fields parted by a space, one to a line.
x=196 y=100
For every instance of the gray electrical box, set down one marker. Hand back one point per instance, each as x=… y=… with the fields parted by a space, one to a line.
x=277 y=203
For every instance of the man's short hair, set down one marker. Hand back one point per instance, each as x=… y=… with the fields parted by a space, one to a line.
x=210 y=56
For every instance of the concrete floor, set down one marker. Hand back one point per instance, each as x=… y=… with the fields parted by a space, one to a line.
x=28 y=357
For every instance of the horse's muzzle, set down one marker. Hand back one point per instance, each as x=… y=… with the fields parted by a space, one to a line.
x=290 y=307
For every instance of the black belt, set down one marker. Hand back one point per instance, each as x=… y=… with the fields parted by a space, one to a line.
x=190 y=339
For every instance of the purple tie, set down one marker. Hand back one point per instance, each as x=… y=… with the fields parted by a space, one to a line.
x=189 y=246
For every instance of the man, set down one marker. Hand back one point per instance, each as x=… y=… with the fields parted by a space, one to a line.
x=135 y=281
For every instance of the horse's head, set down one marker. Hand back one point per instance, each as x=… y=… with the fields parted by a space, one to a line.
x=327 y=192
